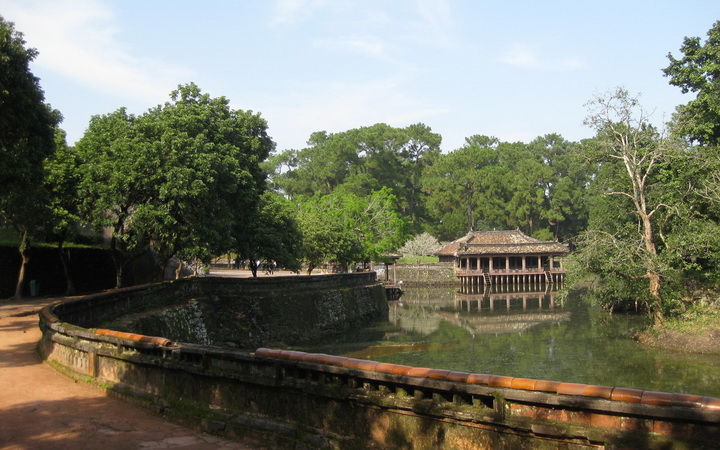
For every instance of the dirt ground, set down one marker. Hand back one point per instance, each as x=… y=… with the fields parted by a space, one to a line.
x=43 y=409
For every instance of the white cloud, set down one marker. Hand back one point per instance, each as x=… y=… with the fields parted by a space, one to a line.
x=436 y=21
x=532 y=57
x=81 y=41
x=290 y=12
x=369 y=46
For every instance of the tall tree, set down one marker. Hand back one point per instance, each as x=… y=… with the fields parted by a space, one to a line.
x=465 y=188
x=117 y=178
x=566 y=186
x=697 y=71
x=209 y=159
x=27 y=127
x=362 y=160
x=624 y=135
x=177 y=179
x=62 y=183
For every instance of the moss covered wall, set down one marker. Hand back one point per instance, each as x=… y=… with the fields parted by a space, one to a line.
x=238 y=312
x=425 y=274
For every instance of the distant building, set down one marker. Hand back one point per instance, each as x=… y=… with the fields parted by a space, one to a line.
x=504 y=257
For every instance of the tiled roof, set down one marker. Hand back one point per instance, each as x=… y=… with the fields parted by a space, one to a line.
x=500 y=243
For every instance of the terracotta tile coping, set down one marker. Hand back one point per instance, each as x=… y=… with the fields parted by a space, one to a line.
x=584 y=390
x=160 y=341
x=48 y=315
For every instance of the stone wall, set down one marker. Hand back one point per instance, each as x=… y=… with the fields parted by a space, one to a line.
x=236 y=312
x=426 y=274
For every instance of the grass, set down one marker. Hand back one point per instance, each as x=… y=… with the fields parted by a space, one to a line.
x=699 y=319
x=418 y=260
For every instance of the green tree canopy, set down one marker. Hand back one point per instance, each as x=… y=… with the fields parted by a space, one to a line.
x=178 y=179
x=344 y=228
x=27 y=138
x=362 y=161
x=271 y=233
x=698 y=72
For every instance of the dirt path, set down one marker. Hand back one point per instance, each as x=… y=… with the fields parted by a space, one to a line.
x=42 y=409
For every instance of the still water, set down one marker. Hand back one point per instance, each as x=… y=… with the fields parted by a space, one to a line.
x=540 y=335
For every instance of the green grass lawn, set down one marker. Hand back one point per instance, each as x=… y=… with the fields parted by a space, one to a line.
x=418 y=260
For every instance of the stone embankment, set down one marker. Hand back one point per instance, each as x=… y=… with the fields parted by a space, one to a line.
x=296 y=399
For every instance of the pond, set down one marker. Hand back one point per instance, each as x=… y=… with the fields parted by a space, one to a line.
x=520 y=333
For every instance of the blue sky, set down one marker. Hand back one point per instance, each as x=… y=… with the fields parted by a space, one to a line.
x=514 y=70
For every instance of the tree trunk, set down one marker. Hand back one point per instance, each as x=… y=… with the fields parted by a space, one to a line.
x=656 y=308
x=179 y=269
x=652 y=276
x=70 y=290
x=25 y=255
x=117 y=261
x=469 y=211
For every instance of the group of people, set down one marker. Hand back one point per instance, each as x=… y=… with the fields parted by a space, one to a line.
x=268 y=266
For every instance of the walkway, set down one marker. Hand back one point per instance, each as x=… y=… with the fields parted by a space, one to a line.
x=42 y=409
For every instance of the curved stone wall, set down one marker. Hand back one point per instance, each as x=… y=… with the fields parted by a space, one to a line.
x=290 y=399
x=236 y=312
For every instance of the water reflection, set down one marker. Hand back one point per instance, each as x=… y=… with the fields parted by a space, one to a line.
x=504 y=309
x=523 y=333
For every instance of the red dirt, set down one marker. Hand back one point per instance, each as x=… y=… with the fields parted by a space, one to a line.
x=43 y=409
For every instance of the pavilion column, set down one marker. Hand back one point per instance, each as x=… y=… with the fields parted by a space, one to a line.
x=479 y=267
x=507 y=264
x=490 y=265
x=524 y=265
x=552 y=262
x=540 y=263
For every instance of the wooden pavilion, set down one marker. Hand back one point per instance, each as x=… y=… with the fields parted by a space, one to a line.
x=504 y=257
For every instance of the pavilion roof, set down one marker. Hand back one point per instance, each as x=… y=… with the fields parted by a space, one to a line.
x=505 y=242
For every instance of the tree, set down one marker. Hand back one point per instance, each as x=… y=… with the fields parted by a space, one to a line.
x=117 y=178
x=27 y=128
x=177 y=180
x=343 y=228
x=208 y=158
x=423 y=244
x=624 y=135
x=565 y=187
x=465 y=188
x=697 y=72
x=376 y=221
x=362 y=160
x=326 y=237
x=62 y=183
x=271 y=233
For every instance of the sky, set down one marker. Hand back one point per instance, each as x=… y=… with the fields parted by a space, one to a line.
x=511 y=69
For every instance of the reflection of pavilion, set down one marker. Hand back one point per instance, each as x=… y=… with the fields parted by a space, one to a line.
x=504 y=257
x=492 y=310
x=503 y=297
x=506 y=309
